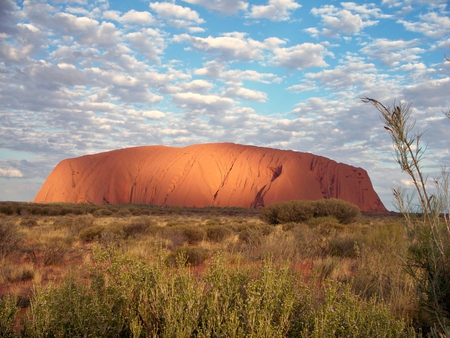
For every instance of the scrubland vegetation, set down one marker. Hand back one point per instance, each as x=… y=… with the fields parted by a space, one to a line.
x=141 y=271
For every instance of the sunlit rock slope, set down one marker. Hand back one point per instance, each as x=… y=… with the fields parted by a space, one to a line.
x=218 y=174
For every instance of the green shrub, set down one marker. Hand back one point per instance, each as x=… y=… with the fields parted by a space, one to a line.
x=218 y=233
x=344 y=314
x=181 y=234
x=92 y=233
x=138 y=226
x=187 y=256
x=343 y=211
x=71 y=309
x=8 y=314
x=305 y=210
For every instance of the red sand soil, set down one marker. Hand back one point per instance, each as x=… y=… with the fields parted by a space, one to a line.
x=217 y=174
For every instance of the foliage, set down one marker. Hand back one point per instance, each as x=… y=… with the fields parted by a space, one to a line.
x=8 y=313
x=343 y=314
x=343 y=211
x=305 y=210
x=91 y=233
x=427 y=223
x=187 y=256
x=10 y=238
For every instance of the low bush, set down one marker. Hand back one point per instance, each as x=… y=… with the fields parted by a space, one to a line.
x=183 y=234
x=81 y=222
x=92 y=233
x=8 y=313
x=102 y=212
x=343 y=211
x=54 y=251
x=187 y=256
x=218 y=233
x=305 y=210
x=344 y=314
x=10 y=238
x=28 y=222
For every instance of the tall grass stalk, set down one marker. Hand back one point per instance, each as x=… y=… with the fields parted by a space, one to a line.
x=427 y=222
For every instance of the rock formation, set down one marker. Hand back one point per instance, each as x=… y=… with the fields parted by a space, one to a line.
x=218 y=174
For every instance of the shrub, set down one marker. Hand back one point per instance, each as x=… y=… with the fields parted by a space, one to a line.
x=92 y=233
x=343 y=211
x=54 y=251
x=187 y=256
x=254 y=234
x=8 y=314
x=10 y=238
x=28 y=222
x=325 y=222
x=344 y=314
x=181 y=234
x=102 y=212
x=82 y=222
x=138 y=226
x=6 y=209
x=218 y=233
x=124 y=212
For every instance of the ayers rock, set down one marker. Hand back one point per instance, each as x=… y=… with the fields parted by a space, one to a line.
x=217 y=174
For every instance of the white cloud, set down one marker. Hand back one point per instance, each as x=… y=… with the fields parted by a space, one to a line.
x=10 y=172
x=349 y=20
x=234 y=45
x=177 y=16
x=245 y=93
x=301 y=56
x=149 y=42
x=196 y=101
x=393 y=52
x=431 y=25
x=224 y=6
x=153 y=114
x=276 y=10
x=141 y=18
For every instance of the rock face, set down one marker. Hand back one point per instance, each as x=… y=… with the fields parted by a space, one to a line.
x=218 y=174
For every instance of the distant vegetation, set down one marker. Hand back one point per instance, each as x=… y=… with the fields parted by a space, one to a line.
x=145 y=271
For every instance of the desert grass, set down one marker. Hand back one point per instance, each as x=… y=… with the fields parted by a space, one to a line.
x=226 y=272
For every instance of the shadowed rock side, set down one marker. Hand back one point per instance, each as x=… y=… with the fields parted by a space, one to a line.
x=219 y=174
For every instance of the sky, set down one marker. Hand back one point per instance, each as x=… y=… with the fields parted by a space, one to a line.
x=80 y=77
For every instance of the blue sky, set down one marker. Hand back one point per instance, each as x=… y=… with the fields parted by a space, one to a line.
x=80 y=77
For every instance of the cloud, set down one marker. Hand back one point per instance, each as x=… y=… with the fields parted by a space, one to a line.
x=10 y=172
x=233 y=45
x=276 y=10
x=177 y=16
x=150 y=42
x=202 y=102
x=153 y=114
x=223 y=6
x=348 y=20
x=306 y=55
x=135 y=17
x=431 y=25
x=217 y=70
x=245 y=93
x=393 y=52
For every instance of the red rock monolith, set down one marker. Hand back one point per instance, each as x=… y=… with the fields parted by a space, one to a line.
x=217 y=174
